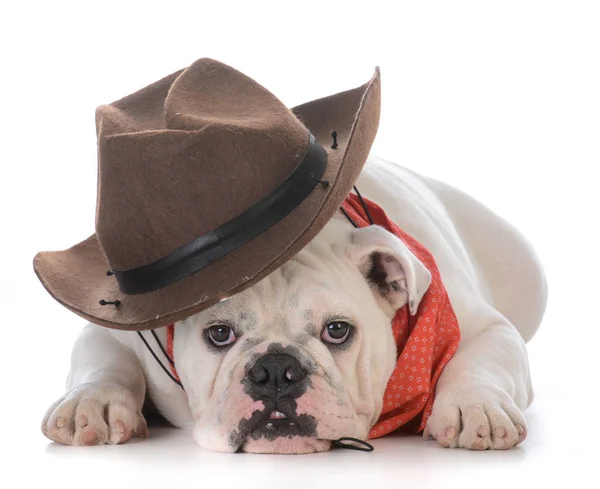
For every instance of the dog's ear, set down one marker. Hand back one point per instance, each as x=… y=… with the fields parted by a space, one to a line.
x=387 y=263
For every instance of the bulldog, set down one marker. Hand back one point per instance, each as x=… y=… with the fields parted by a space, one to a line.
x=303 y=357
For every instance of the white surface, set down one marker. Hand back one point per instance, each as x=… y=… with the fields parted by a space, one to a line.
x=501 y=101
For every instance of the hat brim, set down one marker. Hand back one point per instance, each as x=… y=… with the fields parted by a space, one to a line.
x=77 y=277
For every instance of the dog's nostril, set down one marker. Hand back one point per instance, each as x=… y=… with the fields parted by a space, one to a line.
x=295 y=373
x=259 y=374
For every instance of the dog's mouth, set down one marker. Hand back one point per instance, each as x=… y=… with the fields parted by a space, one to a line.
x=274 y=424
x=277 y=420
x=277 y=415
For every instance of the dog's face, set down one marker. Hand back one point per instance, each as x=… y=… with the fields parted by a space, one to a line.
x=303 y=357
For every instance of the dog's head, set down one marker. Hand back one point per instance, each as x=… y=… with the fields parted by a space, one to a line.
x=304 y=356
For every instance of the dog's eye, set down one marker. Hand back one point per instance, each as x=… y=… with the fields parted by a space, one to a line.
x=336 y=332
x=221 y=335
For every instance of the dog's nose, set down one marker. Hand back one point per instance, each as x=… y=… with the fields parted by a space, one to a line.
x=277 y=372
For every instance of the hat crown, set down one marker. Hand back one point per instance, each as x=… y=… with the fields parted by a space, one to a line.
x=185 y=155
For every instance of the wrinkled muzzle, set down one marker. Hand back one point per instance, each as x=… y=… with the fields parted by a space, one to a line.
x=279 y=400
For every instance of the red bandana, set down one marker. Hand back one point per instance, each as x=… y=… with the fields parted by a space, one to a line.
x=425 y=342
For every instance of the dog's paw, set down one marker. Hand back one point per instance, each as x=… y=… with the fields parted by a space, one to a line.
x=476 y=418
x=95 y=414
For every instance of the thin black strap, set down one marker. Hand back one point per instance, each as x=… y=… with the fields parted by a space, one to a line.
x=367 y=447
x=162 y=348
x=158 y=360
x=348 y=217
x=364 y=205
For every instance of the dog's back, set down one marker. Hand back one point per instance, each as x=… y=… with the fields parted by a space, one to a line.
x=474 y=247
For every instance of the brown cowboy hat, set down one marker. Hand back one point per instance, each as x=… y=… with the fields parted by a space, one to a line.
x=207 y=183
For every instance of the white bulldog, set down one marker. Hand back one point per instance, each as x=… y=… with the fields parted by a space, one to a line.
x=303 y=357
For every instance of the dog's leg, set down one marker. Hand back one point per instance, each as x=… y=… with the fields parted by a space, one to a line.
x=483 y=390
x=105 y=394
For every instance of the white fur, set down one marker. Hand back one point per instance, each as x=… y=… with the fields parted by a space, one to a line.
x=493 y=277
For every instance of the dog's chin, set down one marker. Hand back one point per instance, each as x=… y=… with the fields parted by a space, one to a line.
x=263 y=439
x=282 y=436
x=263 y=431
x=286 y=445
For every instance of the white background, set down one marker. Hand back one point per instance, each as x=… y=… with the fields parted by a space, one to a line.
x=501 y=99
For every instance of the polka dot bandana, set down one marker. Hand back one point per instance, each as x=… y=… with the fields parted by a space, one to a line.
x=425 y=342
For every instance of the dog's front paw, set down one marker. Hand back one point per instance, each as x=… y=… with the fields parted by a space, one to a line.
x=477 y=418
x=94 y=414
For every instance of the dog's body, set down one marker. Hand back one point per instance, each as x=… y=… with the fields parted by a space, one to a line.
x=493 y=278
